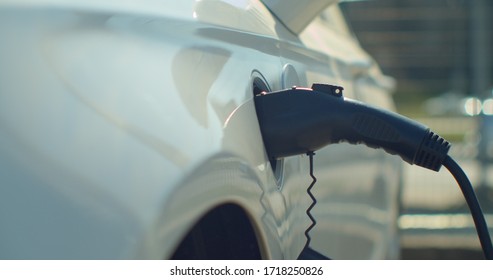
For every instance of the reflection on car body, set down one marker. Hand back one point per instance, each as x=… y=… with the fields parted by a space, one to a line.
x=128 y=131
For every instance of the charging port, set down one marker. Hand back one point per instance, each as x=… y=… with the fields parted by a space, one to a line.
x=259 y=85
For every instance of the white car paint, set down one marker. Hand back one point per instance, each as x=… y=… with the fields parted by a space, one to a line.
x=123 y=122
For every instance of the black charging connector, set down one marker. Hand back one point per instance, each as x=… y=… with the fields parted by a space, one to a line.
x=302 y=120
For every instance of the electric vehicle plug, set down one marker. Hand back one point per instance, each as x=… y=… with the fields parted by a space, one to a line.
x=301 y=120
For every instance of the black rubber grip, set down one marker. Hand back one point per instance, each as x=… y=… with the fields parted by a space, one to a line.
x=300 y=120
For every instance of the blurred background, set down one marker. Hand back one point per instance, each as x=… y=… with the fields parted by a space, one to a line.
x=439 y=52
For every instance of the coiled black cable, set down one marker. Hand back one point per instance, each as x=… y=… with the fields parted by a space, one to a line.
x=314 y=201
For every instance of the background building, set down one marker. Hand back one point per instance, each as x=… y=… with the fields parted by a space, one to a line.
x=430 y=47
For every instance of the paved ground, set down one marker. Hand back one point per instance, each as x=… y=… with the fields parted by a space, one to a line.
x=441 y=254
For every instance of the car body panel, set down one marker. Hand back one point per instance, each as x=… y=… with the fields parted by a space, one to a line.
x=296 y=15
x=122 y=124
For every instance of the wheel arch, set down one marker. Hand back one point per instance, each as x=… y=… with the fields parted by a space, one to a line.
x=225 y=232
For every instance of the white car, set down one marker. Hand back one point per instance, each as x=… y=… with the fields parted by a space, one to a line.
x=128 y=131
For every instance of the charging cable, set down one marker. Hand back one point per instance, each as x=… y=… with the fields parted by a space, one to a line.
x=302 y=120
